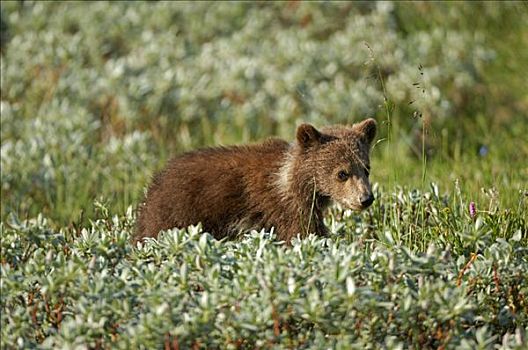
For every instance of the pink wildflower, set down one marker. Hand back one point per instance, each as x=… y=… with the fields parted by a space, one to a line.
x=472 y=209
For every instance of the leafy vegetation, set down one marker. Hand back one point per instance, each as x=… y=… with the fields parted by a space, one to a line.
x=96 y=96
x=369 y=285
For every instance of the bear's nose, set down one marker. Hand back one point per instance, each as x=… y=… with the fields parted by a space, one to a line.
x=367 y=200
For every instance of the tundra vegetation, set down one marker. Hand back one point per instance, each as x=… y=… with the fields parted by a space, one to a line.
x=97 y=96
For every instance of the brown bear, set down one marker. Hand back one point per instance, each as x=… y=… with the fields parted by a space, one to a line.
x=275 y=184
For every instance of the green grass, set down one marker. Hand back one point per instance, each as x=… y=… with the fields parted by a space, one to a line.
x=95 y=97
x=503 y=168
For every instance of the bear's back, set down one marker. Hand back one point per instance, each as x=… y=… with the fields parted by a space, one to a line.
x=213 y=186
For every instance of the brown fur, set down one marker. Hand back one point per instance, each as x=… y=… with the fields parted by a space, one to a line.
x=272 y=184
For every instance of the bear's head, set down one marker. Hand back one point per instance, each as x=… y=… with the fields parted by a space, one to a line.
x=337 y=159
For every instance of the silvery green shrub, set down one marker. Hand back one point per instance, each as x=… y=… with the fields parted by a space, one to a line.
x=86 y=86
x=89 y=286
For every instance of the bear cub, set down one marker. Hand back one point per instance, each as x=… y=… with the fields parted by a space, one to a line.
x=275 y=184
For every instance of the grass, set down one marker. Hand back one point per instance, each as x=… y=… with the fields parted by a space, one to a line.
x=96 y=97
x=501 y=168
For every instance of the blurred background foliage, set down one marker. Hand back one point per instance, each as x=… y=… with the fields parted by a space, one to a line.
x=96 y=96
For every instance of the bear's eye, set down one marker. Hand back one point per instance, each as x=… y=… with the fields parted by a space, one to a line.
x=342 y=175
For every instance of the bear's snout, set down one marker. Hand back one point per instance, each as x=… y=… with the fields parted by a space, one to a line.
x=366 y=200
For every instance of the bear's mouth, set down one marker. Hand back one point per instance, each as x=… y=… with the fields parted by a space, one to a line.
x=359 y=207
x=353 y=206
x=356 y=206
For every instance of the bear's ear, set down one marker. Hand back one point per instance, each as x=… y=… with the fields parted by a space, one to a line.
x=308 y=136
x=366 y=130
